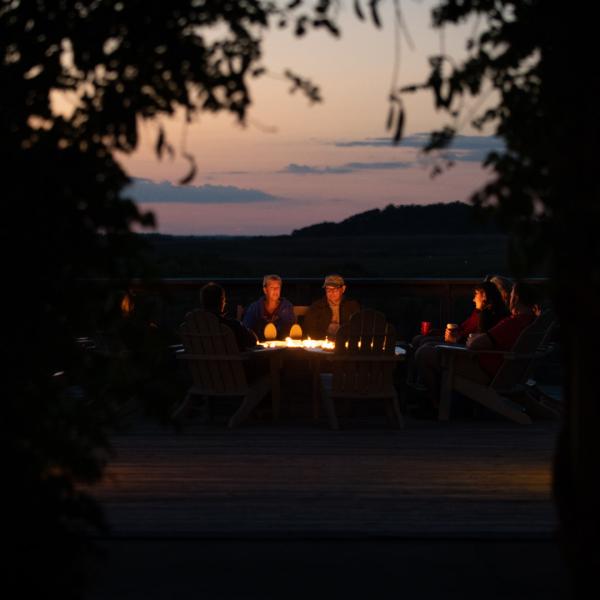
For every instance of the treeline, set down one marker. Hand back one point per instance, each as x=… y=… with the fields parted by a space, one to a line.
x=299 y=256
x=455 y=218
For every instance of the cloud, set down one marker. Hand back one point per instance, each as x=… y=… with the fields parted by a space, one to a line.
x=370 y=142
x=351 y=167
x=307 y=170
x=149 y=192
x=470 y=148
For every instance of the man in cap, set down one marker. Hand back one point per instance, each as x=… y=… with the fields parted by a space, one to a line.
x=324 y=317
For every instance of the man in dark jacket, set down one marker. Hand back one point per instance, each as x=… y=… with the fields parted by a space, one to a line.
x=325 y=316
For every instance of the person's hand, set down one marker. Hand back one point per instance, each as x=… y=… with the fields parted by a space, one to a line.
x=472 y=337
x=450 y=337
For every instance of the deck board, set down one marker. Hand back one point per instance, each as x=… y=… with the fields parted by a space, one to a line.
x=469 y=478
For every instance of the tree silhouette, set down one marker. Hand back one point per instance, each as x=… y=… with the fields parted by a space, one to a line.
x=534 y=55
x=78 y=78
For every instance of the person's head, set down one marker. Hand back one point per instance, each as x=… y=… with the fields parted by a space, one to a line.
x=523 y=297
x=503 y=284
x=212 y=297
x=334 y=288
x=272 y=287
x=487 y=295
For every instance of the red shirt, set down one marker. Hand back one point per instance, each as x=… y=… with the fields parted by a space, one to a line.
x=503 y=336
x=470 y=325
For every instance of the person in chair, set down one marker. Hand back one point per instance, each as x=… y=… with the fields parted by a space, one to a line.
x=213 y=300
x=271 y=308
x=502 y=336
x=325 y=316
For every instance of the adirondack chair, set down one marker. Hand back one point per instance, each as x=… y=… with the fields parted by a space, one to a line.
x=217 y=366
x=510 y=379
x=362 y=365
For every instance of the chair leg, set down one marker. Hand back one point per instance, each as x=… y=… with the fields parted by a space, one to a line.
x=445 y=398
x=396 y=407
x=251 y=400
x=327 y=400
x=330 y=410
x=181 y=407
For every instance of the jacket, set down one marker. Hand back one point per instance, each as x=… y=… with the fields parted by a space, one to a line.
x=319 y=315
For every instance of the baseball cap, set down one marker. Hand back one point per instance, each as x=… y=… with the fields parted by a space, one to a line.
x=334 y=281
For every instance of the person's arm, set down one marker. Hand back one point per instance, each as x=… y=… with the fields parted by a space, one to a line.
x=286 y=318
x=469 y=325
x=311 y=324
x=480 y=341
x=247 y=337
x=249 y=316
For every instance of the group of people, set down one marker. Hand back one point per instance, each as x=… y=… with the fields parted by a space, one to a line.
x=502 y=310
x=323 y=318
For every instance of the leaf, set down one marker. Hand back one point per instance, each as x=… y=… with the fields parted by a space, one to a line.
x=374 y=14
x=399 y=126
x=328 y=24
x=160 y=143
x=301 y=26
x=358 y=10
x=192 y=172
x=390 y=118
x=323 y=6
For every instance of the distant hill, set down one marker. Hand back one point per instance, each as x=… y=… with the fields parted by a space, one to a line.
x=454 y=218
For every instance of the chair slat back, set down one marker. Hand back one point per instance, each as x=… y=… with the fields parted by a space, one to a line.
x=367 y=334
x=214 y=356
x=514 y=371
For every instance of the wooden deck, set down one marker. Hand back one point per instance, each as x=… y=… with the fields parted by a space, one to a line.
x=297 y=479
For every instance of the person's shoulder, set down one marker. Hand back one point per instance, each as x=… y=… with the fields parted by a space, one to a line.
x=525 y=319
x=502 y=324
x=351 y=302
x=318 y=303
x=255 y=305
x=285 y=303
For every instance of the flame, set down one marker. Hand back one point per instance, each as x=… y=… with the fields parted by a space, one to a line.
x=307 y=343
x=127 y=305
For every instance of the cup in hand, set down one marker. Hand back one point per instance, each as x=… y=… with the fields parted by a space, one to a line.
x=425 y=327
x=451 y=333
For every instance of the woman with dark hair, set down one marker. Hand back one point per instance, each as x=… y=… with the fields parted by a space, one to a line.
x=501 y=336
x=489 y=310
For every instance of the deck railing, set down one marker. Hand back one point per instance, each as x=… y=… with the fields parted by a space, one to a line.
x=405 y=302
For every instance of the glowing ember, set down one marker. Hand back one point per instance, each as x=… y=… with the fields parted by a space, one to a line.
x=308 y=343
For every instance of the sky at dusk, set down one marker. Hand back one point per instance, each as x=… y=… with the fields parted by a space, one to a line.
x=295 y=164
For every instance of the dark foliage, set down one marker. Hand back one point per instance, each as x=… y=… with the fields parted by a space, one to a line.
x=535 y=55
x=78 y=77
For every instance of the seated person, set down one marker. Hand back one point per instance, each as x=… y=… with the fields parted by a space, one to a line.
x=501 y=336
x=489 y=310
x=325 y=316
x=271 y=308
x=504 y=285
x=213 y=300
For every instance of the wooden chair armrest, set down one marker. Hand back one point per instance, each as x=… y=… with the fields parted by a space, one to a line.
x=363 y=357
x=182 y=355
x=509 y=354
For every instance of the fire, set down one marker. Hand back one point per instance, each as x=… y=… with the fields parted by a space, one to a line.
x=307 y=343
x=127 y=305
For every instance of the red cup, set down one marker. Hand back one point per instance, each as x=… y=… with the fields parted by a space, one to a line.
x=425 y=327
